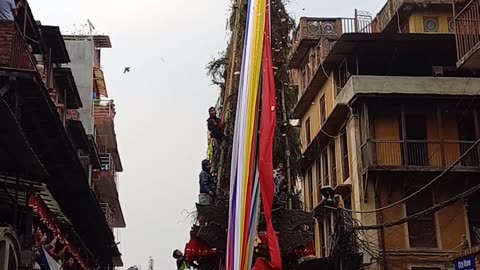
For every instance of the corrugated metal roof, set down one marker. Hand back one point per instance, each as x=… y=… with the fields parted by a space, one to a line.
x=9 y=186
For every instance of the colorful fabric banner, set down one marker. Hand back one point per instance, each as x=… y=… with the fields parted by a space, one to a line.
x=268 y=121
x=252 y=157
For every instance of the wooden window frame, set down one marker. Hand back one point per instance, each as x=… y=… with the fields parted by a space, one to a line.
x=421 y=220
x=308 y=131
x=345 y=155
x=323 y=111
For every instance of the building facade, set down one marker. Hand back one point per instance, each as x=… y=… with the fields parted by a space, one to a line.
x=52 y=198
x=390 y=124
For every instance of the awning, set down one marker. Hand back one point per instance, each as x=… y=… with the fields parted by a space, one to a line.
x=54 y=41
x=99 y=80
x=41 y=208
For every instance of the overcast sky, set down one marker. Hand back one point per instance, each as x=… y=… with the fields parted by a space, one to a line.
x=162 y=104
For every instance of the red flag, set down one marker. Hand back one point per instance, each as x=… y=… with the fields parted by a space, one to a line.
x=268 y=120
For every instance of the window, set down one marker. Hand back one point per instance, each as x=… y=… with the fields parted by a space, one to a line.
x=323 y=112
x=325 y=174
x=422 y=230
x=347 y=203
x=333 y=163
x=303 y=79
x=328 y=231
x=323 y=248
x=416 y=131
x=309 y=191
x=341 y=77
x=346 y=163
x=319 y=179
x=466 y=134
x=308 y=131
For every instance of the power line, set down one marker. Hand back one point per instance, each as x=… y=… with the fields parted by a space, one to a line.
x=434 y=180
x=432 y=209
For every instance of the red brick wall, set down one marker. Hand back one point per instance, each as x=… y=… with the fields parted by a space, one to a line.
x=6 y=39
x=325 y=48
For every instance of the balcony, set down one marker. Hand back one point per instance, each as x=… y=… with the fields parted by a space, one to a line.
x=408 y=86
x=103 y=110
x=106 y=188
x=107 y=164
x=14 y=50
x=467 y=32
x=419 y=155
x=311 y=30
x=109 y=214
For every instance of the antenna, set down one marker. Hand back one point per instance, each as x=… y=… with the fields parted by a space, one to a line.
x=91 y=26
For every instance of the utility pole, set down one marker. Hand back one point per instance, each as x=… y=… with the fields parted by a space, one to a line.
x=287 y=147
x=239 y=5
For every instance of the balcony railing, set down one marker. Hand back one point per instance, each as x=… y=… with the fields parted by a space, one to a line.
x=311 y=30
x=107 y=163
x=433 y=154
x=109 y=215
x=467 y=31
x=14 y=50
x=103 y=110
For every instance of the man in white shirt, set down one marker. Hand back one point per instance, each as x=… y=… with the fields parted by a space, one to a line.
x=8 y=10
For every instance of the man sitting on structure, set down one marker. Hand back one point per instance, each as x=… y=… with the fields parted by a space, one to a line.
x=8 y=10
x=207 y=185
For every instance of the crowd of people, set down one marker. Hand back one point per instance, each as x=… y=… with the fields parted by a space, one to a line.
x=51 y=252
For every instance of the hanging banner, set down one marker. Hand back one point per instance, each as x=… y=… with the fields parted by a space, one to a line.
x=251 y=167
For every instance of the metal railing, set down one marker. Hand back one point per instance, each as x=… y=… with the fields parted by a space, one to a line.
x=109 y=215
x=467 y=28
x=107 y=163
x=15 y=52
x=357 y=25
x=413 y=153
x=102 y=112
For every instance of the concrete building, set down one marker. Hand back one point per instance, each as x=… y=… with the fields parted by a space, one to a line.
x=49 y=156
x=467 y=34
x=384 y=111
x=97 y=116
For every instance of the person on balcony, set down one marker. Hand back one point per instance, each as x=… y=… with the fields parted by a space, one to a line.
x=8 y=10
x=215 y=126
x=207 y=185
